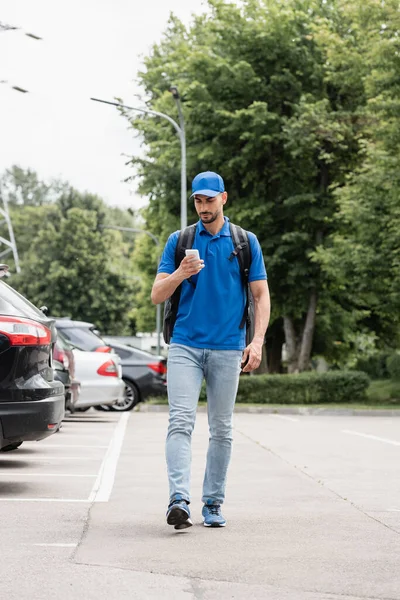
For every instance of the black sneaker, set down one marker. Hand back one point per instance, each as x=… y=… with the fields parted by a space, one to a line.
x=178 y=513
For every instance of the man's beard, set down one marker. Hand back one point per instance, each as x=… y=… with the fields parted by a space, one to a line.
x=209 y=217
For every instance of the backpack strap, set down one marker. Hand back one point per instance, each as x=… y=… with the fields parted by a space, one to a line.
x=185 y=241
x=242 y=250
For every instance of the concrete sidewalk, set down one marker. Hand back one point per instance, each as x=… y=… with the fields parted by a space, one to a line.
x=290 y=535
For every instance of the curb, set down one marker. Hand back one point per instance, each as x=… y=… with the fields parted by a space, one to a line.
x=288 y=410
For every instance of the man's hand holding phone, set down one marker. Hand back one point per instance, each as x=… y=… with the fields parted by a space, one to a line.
x=251 y=358
x=191 y=264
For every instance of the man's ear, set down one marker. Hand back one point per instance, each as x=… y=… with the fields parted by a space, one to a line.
x=224 y=197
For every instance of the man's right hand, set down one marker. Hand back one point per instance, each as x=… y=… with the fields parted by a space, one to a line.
x=190 y=266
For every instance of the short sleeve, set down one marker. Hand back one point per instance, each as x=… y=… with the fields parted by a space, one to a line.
x=167 y=262
x=257 y=267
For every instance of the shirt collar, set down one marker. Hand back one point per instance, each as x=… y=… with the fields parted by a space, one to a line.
x=225 y=231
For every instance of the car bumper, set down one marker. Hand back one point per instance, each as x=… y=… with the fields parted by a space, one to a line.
x=153 y=387
x=30 y=420
x=106 y=392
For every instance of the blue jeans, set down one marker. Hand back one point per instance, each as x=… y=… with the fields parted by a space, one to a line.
x=186 y=369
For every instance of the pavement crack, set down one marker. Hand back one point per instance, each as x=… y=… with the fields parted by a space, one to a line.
x=319 y=482
x=199 y=589
x=84 y=534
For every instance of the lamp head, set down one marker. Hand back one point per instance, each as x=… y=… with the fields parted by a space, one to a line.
x=174 y=91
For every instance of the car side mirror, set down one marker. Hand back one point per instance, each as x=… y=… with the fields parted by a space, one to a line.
x=3 y=269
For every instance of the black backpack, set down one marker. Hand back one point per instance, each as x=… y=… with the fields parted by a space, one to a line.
x=241 y=251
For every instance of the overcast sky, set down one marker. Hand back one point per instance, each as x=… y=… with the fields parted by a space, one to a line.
x=89 y=48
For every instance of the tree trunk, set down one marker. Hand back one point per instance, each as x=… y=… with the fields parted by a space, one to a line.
x=308 y=333
x=263 y=368
x=291 y=344
x=275 y=341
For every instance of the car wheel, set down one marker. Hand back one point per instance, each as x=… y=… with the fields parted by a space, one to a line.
x=130 y=399
x=103 y=407
x=83 y=409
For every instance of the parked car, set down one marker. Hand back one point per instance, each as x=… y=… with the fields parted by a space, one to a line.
x=81 y=335
x=64 y=363
x=100 y=378
x=144 y=374
x=31 y=400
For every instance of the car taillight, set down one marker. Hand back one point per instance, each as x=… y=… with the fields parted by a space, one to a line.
x=108 y=369
x=24 y=332
x=60 y=356
x=103 y=349
x=160 y=368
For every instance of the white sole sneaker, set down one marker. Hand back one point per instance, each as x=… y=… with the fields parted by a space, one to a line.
x=214 y=524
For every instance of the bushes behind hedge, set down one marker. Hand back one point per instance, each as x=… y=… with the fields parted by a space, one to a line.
x=375 y=365
x=304 y=388
x=393 y=366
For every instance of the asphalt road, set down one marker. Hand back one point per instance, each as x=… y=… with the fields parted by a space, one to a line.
x=313 y=510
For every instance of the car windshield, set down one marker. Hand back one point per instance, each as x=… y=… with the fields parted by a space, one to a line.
x=83 y=339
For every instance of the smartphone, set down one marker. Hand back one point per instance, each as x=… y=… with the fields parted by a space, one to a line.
x=193 y=252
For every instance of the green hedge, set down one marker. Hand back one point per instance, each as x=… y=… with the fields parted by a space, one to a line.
x=304 y=388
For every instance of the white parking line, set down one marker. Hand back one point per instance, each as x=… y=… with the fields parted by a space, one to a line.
x=49 y=445
x=23 y=457
x=55 y=545
x=284 y=417
x=105 y=480
x=372 y=437
x=85 y=501
x=39 y=475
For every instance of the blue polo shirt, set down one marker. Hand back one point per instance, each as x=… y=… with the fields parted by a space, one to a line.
x=210 y=313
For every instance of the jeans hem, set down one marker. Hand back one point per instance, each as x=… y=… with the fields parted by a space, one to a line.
x=181 y=497
x=215 y=501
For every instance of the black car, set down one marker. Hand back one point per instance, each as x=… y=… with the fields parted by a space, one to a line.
x=144 y=374
x=31 y=400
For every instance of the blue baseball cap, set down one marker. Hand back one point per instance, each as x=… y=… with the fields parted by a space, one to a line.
x=207 y=184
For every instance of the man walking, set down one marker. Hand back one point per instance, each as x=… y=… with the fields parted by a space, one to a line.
x=207 y=343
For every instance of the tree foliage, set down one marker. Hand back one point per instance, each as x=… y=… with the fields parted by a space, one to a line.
x=70 y=261
x=276 y=98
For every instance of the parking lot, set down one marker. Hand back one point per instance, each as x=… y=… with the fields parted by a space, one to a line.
x=313 y=510
x=68 y=466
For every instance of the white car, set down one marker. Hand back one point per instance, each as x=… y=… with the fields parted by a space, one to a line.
x=100 y=378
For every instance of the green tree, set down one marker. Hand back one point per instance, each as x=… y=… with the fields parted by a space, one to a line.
x=69 y=272
x=23 y=187
x=264 y=106
x=364 y=257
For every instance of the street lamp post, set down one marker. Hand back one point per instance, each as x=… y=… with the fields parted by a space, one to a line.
x=174 y=91
x=156 y=241
x=180 y=129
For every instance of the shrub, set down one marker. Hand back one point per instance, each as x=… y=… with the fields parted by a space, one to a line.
x=393 y=366
x=304 y=388
x=375 y=365
x=384 y=391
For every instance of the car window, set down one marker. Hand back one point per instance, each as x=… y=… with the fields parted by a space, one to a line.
x=62 y=341
x=133 y=353
x=122 y=353
x=83 y=339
